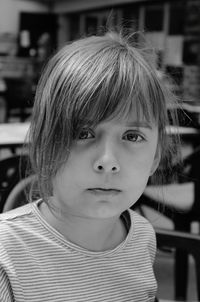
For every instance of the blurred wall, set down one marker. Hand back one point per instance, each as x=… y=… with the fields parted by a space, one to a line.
x=78 y=5
x=10 y=11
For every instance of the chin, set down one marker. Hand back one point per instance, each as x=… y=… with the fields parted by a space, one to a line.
x=104 y=212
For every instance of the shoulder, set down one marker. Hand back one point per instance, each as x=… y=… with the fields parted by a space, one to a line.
x=17 y=212
x=16 y=223
x=16 y=215
x=140 y=223
x=143 y=234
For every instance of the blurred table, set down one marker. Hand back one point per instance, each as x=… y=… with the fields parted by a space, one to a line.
x=13 y=135
x=182 y=131
x=189 y=138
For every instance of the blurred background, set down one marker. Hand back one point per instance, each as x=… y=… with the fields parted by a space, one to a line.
x=31 y=30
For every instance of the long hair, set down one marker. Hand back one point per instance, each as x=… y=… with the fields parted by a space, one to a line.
x=88 y=81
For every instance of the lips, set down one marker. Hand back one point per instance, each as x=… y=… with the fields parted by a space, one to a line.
x=109 y=191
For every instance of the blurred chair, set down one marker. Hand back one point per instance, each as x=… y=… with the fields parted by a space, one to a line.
x=12 y=169
x=180 y=203
x=19 y=98
x=19 y=195
x=184 y=241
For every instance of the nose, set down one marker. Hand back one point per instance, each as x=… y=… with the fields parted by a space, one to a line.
x=106 y=161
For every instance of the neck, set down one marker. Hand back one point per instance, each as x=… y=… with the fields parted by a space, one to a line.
x=89 y=233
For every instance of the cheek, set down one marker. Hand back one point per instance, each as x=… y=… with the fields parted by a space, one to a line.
x=139 y=170
x=72 y=174
x=137 y=179
x=65 y=182
x=76 y=163
x=141 y=162
x=136 y=182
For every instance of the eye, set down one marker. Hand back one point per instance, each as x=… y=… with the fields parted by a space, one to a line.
x=133 y=137
x=85 y=134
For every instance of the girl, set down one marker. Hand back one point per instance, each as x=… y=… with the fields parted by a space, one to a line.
x=97 y=134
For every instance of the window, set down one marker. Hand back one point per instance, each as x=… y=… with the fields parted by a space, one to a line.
x=176 y=22
x=130 y=16
x=154 y=18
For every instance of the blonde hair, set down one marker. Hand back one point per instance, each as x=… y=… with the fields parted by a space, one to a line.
x=86 y=82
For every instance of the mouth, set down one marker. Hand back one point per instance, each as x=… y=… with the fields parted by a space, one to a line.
x=103 y=191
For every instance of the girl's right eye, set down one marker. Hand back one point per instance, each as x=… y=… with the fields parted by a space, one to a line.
x=85 y=134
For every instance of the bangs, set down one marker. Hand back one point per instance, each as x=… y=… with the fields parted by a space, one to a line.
x=123 y=90
x=105 y=79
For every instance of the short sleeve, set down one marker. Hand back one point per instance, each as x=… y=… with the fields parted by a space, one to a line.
x=5 y=287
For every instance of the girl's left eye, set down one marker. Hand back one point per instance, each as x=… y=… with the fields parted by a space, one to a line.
x=133 y=137
x=85 y=134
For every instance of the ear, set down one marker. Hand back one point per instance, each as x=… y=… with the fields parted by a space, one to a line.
x=156 y=161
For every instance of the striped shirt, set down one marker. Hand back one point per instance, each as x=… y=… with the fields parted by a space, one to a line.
x=38 y=264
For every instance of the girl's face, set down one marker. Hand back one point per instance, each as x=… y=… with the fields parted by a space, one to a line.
x=107 y=169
